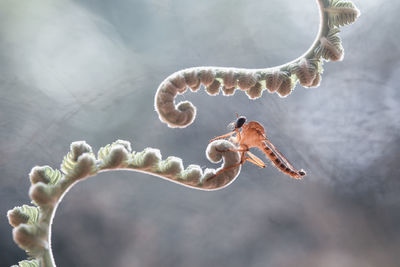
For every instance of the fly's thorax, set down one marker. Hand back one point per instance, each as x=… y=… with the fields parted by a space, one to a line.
x=251 y=137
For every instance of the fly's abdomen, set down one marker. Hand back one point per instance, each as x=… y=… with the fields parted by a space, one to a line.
x=281 y=165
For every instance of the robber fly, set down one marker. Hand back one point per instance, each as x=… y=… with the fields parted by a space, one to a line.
x=252 y=134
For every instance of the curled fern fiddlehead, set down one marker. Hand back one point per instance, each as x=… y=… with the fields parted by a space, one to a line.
x=306 y=70
x=32 y=224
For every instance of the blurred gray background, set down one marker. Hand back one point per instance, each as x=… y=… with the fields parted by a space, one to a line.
x=88 y=70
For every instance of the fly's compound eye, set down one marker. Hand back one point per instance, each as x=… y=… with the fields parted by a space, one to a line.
x=240 y=121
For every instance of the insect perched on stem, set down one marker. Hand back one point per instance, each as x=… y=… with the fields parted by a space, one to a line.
x=252 y=134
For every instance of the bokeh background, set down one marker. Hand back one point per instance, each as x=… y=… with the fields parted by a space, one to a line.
x=89 y=69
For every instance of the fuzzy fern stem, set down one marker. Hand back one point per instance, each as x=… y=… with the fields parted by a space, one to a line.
x=279 y=79
x=32 y=224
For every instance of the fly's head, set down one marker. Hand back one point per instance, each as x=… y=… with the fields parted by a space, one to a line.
x=238 y=123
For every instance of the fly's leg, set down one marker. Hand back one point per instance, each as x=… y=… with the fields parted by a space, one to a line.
x=226 y=169
x=223 y=136
x=252 y=158
x=242 y=160
x=255 y=160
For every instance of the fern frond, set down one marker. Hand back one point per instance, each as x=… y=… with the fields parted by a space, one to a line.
x=255 y=91
x=306 y=70
x=79 y=162
x=171 y=166
x=32 y=226
x=192 y=173
x=45 y=174
x=54 y=175
x=247 y=80
x=24 y=214
x=213 y=88
x=287 y=85
x=28 y=263
x=207 y=77
x=341 y=13
x=104 y=152
x=274 y=80
x=147 y=159
x=115 y=155
x=31 y=238
x=333 y=13
x=68 y=163
x=192 y=80
x=330 y=47
x=316 y=81
x=179 y=82
x=230 y=80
